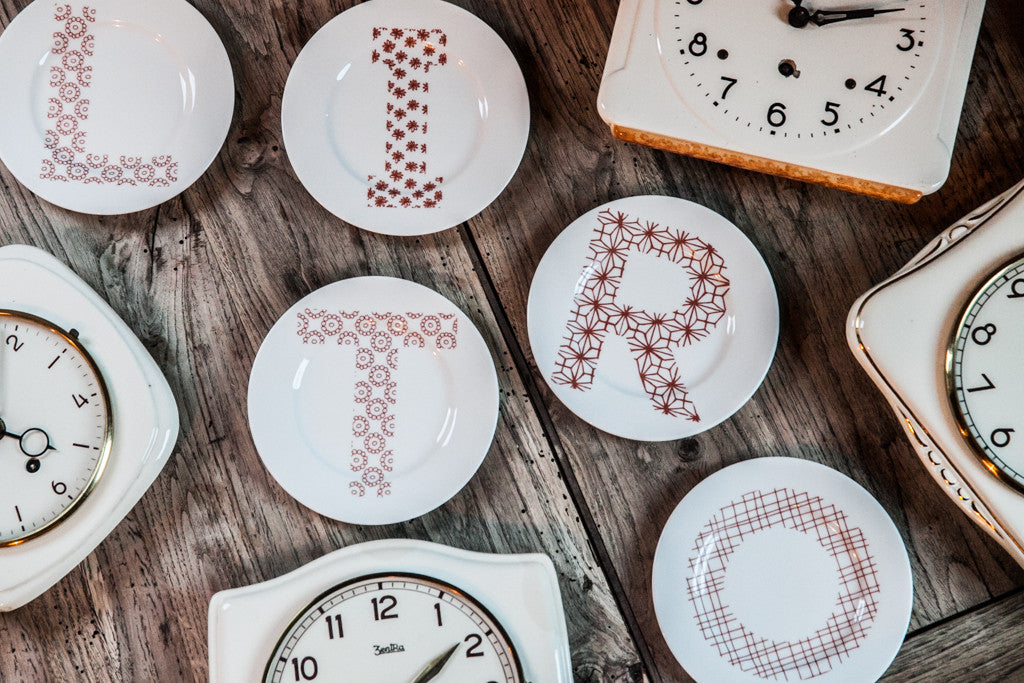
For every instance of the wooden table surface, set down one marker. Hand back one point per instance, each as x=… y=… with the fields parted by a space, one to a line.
x=202 y=278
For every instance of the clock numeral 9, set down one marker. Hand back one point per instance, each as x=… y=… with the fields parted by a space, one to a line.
x=699 y=45
x=831 y=108
x=1000 y=437
x=382 y=610
x=59 y=487
x=983 y=335
x=908 y=36
x=474 y=649
x=776 y=115
x=1016 y=289
x=306 y=670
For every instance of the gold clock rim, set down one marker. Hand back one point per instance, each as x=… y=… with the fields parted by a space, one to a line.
x=108 y=432
x=441 y=583
x=961 y=422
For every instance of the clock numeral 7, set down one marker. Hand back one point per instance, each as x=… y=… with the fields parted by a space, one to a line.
x=833 y=109
x=306 y=670
x=729 y=82
x=988 y=384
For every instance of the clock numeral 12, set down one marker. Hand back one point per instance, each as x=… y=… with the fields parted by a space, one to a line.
x=382 y=610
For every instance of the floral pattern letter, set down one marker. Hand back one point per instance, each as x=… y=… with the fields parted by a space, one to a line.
x=409 y=54
x=69 y=158
x=652 y=336
x=377 y=338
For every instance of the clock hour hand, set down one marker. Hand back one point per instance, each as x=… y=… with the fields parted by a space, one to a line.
x=33 y=442
x=800 y=16
x=434 y=668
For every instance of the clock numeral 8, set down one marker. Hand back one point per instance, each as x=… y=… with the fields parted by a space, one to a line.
x=776 y=115
x=699 y=45
x=983 y=335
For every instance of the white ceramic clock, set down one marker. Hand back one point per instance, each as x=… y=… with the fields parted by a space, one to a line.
x=941 y=339
x=398 y=610
x=87 y=421
x=864 y=98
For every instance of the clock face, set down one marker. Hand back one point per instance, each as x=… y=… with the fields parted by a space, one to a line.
x=985 y=373
x=748 y=72
x=404 y=628
x=54 y=426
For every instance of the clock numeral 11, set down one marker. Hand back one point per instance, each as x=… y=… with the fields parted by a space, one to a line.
x=331 y=628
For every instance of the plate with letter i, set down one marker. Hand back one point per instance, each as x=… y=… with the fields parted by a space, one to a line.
x=653 y=318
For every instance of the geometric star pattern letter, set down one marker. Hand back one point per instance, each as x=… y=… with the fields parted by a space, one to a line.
x=652 y=336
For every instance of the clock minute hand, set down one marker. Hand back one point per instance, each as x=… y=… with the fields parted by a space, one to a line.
x=434 y=668
x=822 y=17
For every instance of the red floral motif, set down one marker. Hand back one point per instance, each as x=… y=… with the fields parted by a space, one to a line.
x=67 y=139
x=855 y=608
x=409 y=54
x=375 y=389
x=652 y=337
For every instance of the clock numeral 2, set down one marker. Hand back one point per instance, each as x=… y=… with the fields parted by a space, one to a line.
x=306 y=670
x=382 y=610
x=474 y=649
x=330 y=626
x=12 y=341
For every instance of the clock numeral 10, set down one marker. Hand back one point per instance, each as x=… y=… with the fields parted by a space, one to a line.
x=1000 y=437
x=382 y=609
x=306 y=670
x=331 y=627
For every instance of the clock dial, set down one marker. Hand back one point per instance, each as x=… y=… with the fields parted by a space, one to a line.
x=985 y=373
x=765 y=73
x=55 y=426
x=403 y=628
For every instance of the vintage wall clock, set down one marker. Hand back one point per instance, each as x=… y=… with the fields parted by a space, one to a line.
x=941 y=339
x=397 y=610
x=86 y=422
x=866 y=99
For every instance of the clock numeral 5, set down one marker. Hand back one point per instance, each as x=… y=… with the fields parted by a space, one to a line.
x=382 y=609
x=908 y=36
x=833 y=109
x=776 y=115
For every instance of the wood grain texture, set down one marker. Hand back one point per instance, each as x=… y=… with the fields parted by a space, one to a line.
x=202 y=278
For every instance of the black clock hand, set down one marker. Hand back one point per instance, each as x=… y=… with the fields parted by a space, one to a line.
x=800 y=16
x=21 y=439
x=434 y=668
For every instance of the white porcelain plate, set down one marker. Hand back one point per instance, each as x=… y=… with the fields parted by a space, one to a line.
x=373 y=400
x=781 y=569
x=405 y=116
x=653 y=318
x=112 y=106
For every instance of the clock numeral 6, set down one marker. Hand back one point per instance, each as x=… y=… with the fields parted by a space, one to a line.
x=1016 y=289
x=776 y=115
x=474 y=649
x=833 y=109
x=382 y=609
x=908 y=37
x=983 y=335
x=1000 y=437
x=306 y=670
x=59 y=487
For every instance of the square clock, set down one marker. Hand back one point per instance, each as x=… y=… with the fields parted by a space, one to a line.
x=942 y=340
x=866 y=100
x=87 y=421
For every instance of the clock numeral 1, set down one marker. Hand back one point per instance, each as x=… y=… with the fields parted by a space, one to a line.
x=729 y=83
x=831 y=108
x=1016 y=289
x=988 y=384
x=79 y=400
x=17 y=512
x=306 y=670
x=1000 y=437
x=877 y=86
x=777 y=115
x=437 y=608
x=330 y=626
x=474 y=649
x=382 y=610
x=908 y=36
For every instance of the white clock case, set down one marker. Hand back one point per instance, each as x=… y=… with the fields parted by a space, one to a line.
x=144 y=417
x=913 y=155
x=521 y=591
x=900 y=331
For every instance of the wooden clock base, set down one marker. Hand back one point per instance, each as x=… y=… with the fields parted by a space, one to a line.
x=763 y=165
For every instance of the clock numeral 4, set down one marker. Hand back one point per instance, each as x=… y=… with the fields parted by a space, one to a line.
x=79 y=400
x=383 y=608
x=474 y=649
x=1000 y=437
x=305 y=670
x=877 y=86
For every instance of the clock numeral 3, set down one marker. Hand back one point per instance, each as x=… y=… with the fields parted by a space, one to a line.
x=908 y=36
